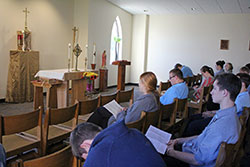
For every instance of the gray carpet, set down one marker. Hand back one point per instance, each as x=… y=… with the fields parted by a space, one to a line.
x=17 y=108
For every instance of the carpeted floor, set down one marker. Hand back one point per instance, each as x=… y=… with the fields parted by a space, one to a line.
x=15 y=108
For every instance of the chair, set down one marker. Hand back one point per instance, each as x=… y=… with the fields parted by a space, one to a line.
x=13 y=134
x=104 y=99
x=152 y=118
x=198 y=79
x=167 y=115
x=182 y=108
x=125 y=96
x=188 y=80
x=139 y=124
x=202 y=101
x=164 y=86
x=228 y=152
x=61 y=158
x=54 y=134
x=192 y=80
x=86 y=108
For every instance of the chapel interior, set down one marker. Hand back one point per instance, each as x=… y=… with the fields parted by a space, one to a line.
x=152 y=35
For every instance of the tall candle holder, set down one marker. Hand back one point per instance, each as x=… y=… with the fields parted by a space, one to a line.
x=86 y=58
x=77 y=51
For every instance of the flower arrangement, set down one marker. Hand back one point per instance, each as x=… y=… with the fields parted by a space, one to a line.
x=90 y=76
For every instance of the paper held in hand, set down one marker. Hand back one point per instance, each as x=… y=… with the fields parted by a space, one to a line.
x=113 y=107
x=158 y=138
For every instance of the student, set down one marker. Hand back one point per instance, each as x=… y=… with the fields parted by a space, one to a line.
x=246 y=70
x=197 y=123
x=186 y=71
x=219 y=67
x=115 y=146
x=2 y=156
x=178 y=89
x=148 y=102
x=243 y=99
x=229 y=67
x=225 y=126
x=207 y=80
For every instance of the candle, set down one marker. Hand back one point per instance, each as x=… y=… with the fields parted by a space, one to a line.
x=94 y=54
x=69 y=51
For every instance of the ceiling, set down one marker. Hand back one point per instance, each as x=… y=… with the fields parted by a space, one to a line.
x=154 y=7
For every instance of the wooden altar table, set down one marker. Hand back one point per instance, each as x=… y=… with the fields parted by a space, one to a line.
x=57 y=82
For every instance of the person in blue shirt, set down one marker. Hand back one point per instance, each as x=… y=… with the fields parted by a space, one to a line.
x=115 y=146
x=186 y=71
x=243 y=99
x=2 y=156
x=225 y=126
x=178 y=89
x=198 y=122
x=246 y=70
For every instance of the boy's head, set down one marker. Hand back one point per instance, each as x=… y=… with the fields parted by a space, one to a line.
x=82 y=137
x=226 y=84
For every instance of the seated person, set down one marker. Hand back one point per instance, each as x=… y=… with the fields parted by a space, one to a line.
x=229 y=67
x=178 y=89
x=219 y=67
x=246 y=69
x=197 y=123
x=225 y=126
x=116 y=146
x=148 y=102
x=243 y=99
x=207 y=80
x=2 y=156
x=186 y=71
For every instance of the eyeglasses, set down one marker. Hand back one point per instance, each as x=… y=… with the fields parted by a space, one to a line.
x=171 y=77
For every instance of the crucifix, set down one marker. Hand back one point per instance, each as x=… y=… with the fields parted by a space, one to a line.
x=26 y=15
x=74 y=40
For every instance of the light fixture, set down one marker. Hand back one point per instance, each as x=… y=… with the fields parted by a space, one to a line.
x=145 y=11
x=193 y=9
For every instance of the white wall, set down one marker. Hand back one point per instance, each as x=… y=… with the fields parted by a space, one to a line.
x=102 y=15
x=194 y=40
x=81 y=8
x=50 y=21
x=138 y=47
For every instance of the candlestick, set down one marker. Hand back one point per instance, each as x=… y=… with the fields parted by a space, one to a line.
x=94 y=54
x=86 y=59
x=69 y=55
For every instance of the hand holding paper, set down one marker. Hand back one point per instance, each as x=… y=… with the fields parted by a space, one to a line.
x=158 y=138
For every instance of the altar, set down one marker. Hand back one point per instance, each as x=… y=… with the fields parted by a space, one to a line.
x=57 y=83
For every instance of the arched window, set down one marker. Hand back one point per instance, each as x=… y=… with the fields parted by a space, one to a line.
x=116 y=41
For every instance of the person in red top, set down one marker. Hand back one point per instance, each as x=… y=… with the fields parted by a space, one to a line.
x=207 y=80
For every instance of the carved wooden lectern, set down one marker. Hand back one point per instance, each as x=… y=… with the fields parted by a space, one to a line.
x=121 y=73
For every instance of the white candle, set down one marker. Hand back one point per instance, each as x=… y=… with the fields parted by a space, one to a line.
x=69 y=51
x=86 y=50
x=94 y=54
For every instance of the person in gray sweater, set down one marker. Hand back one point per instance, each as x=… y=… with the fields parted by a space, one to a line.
x=148 y=102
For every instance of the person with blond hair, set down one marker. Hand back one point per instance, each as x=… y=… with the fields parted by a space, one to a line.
x=148 y=102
